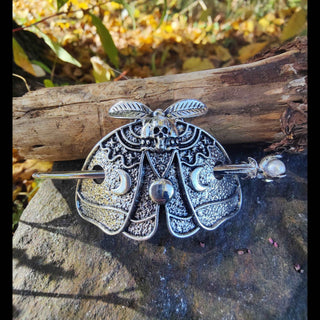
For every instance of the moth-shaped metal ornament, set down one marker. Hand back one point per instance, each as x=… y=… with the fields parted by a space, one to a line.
x=159 y=160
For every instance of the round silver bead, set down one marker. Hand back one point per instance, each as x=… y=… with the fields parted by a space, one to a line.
x=161 y=191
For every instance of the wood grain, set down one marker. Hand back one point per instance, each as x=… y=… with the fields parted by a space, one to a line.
x=246 y=103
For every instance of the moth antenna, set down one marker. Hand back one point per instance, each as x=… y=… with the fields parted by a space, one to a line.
x=129 y=110
x=187 y=108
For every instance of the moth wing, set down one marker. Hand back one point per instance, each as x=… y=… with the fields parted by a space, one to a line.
x=129 y=110
x=144 y=217
x=187 y=108
x=180 y=215
x=108 y=203
x=213 y=199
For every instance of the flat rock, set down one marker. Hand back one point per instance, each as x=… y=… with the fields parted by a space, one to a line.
x=67 y=268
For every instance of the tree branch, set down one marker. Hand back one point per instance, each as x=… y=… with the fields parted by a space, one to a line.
x=247 y=103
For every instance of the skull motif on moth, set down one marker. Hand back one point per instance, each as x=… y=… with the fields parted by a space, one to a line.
x=159 y=132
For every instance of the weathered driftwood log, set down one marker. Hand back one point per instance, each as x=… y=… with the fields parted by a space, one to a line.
x=247 y=103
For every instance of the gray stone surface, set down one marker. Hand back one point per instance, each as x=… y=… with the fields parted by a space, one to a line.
x=66 y=268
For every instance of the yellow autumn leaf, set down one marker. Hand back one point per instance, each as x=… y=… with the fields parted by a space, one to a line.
x=167 y=27
x=83 y=6
x=63 y=25
x=136 y=13
x=80 y=4
x=116 y=5
x=178 y=39
x=222 y=53
x=23 y=170
x=264 y=23
x=250 y=50
x=295 y=25
x=278 y=21
x=197 y=64
x=270 y=16
x=271 y=28
x=69 y=38
x=101 y=70
x=20 y=58
x=235 y=25
x=249 y=26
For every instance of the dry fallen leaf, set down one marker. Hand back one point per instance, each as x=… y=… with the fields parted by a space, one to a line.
x=222 y=53
x=20 y=58
x=24 y=170
x=295 y=25
x=101 y=70
x=250 y=50
x=197 y=64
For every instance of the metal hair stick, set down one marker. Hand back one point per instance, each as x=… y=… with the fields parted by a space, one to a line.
x=68 y=175
x=270 y=168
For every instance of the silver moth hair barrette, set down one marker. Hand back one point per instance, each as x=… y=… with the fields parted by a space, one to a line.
x=161 y=160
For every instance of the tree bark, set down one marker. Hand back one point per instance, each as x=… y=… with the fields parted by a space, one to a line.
x=247 y=103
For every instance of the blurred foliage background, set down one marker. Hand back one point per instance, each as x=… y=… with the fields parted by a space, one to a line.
x=99 y=40
x=65 y=42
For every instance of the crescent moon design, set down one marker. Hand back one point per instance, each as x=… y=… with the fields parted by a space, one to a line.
x=195 y=181
x=125 y=183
